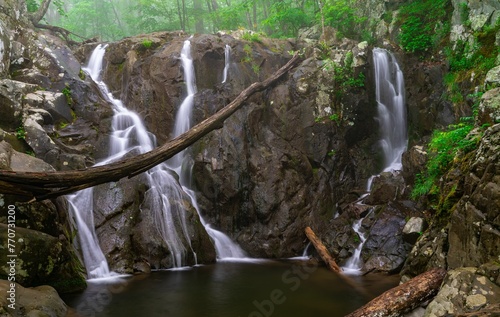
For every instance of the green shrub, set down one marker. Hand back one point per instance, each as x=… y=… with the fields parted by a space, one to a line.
x=251 y=36
x=421 y=26
x=21 y=133
x=442 y=149
x=147 y=43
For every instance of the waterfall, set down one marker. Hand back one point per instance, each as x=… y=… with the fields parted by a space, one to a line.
x=390 y=97
x=227 y=60
x=183 y=163
x=391 y=116
x=130 y=135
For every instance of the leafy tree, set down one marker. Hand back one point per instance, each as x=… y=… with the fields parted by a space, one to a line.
x=285 y=19
x=341 y=15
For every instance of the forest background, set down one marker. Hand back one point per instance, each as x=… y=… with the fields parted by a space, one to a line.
x=114 y=19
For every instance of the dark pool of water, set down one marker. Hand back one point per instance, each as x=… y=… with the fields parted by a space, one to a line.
x=232 y=289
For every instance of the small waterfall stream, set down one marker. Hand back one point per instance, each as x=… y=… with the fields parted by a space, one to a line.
x=182 y=163
x=391 y=108
x=227 y=61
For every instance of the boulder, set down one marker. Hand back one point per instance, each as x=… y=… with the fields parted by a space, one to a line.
x=385 y=249
x=466 y=290
x=11 y=95
x=41 y=259
x=53 y=102
x=17 y=161
x=386 y=187
x=414 y=161
x=413 y=229
x=489 y=108
x=33 y=302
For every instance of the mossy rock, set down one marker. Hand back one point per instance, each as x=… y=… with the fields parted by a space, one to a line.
x=41 y=259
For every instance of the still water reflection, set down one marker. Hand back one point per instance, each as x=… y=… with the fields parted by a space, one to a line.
x=247 y=289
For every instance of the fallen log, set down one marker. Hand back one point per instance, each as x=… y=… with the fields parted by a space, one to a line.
x=322 y=251
x=330 y=261
x=405 y=297
x=44 y=185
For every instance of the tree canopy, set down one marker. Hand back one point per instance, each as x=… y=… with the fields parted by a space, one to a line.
x=115 y=19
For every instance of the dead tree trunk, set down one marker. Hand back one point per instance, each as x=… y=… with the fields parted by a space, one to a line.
x=46 y=185
x=330 y=262
x=405 y=297
x=323 y=252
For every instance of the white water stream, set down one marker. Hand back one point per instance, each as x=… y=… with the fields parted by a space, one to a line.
x=183 y=163
x=227 y=61
x=390 y=98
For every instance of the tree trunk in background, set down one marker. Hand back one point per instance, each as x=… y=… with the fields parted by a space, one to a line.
x=180 y=14
x=116 y=16
x=255 y=14
x=320 y=3
x=37 y=16
x=198 y=16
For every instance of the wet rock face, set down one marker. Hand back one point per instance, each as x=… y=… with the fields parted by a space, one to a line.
x=259 y=176
x=427 y=109
x=129 y=230
x=385 y=248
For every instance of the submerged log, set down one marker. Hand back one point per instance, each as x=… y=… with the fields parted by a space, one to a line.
x=43 y=185
x=322 y=251
x=405 y=297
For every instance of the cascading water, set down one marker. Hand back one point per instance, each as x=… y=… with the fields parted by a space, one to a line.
x=130 y=135
x=390 y=98
x=227 y=61
x=183 y=163
x=355 y=263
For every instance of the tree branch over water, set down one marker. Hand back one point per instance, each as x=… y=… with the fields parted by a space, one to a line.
x=44 y=185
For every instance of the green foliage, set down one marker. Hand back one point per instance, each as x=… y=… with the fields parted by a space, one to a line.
x=32 y=5
x=21 y=133
x=442 y=150
x=334 y=117
x=285 y=19
x=89 y=18
x=81 y=74
x=67 y=93
x=341 y=15
x=230 y=17
x=344 y=75
x=251 y=36
x=421 y=26
x=146 y=43
x=454 y=92
x=256 y=68
x=464 y=13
